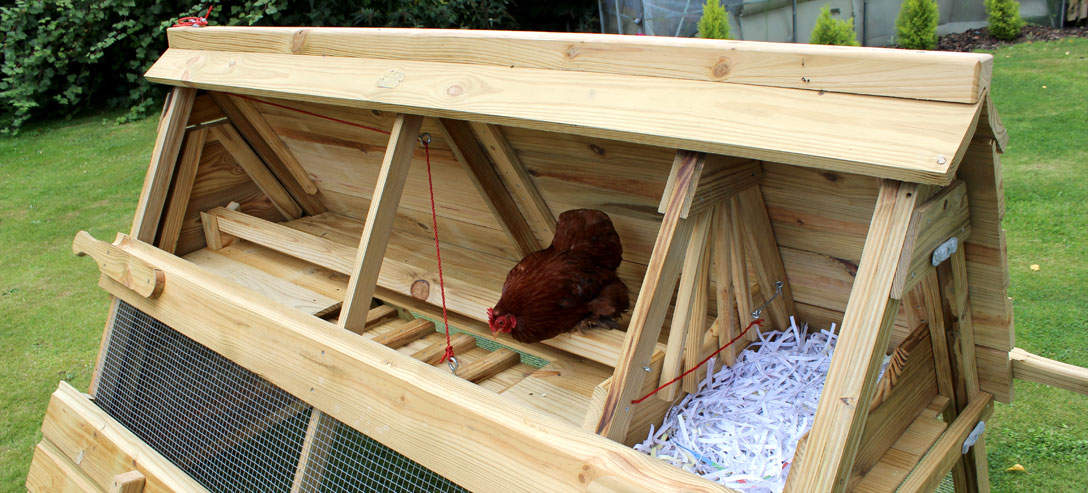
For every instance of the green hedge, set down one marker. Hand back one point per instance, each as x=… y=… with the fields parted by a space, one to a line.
x=62 y=56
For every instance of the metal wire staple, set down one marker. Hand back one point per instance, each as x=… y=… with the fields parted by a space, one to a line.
x=777 y=291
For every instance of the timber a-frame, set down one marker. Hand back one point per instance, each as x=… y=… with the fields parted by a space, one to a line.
x=285 y=197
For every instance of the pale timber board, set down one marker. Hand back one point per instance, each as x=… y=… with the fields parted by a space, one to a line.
x=274 y=288
x=164 y=156
x=884 y=137
x=843 y=408
x=52 y=472
x=83 y=433
x=957 y=77
x=413 y=408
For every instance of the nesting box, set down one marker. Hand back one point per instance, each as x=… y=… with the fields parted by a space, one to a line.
x=275 y=303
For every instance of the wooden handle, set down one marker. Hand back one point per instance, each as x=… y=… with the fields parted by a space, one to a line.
x=1035 y=368
x=114 y=262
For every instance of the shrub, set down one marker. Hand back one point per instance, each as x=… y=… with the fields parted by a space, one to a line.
x=1005 y=21
x=60 y=56
x=714 y=23
x=830 y=31
x=916 y=26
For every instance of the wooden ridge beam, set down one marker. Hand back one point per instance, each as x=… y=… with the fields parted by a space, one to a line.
x=650 y=308
x=271 y=156
x=362 y=383
x=843 y=409
x=379 y=220
x=469 y=152
x=955 y=77
x=873 y=139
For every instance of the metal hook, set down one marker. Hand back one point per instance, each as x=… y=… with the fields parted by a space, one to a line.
x=777 y=291
x=454 y=364
x=425 y=138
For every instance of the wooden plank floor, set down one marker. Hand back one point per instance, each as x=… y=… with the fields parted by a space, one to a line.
x=562 y=389
x=901 y=458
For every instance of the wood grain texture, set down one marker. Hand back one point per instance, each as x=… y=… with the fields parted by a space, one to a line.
x=128 y=482
x=144 y=279
x=311 y=203
x=686 y=317
x=843 y=408
x=723 y=292
x=517 y=180
x=899 y=73
x=272 y=141
x=744 y=121
x=233 y=142
x=1035 y=368
x=648 y=314
x=164 y=155
x=762 y=252
x=362 y=384
x=379 y=221
x=103 y=448
x=496 y=361
x=50 y=471
x=947 y=450
x=468 y=151
x=943 y=216
x=181 y=190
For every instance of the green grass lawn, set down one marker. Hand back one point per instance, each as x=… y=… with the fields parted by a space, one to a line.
x=60 y=177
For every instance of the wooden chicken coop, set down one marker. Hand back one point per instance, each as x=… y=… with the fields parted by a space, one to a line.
x=273 y=325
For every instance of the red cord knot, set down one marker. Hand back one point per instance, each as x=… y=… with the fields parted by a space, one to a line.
x=194 y=21
x=448 y=355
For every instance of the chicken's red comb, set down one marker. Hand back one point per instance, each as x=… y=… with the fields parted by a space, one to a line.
x=490 y=315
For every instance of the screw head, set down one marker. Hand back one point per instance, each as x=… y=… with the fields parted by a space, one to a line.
x=941 y=160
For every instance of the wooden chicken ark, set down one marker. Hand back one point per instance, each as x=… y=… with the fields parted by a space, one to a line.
x=275 y=299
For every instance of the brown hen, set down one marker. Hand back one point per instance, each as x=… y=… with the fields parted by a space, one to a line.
x=570 y=285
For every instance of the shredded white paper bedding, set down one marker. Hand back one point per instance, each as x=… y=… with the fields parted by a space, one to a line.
x=741 y=428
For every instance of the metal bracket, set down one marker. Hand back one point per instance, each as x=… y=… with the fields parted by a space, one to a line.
x=777 y=291
x=945 y=250
x=974 y=436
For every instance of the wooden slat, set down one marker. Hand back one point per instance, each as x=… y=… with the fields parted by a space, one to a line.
x=763 y=255
x=276 y=288
x=104 y=448
x=314 y=249
x=128 y=482
x=535 y=210
x=843 y=408
x=363 y=384
x=273 y=142
x=379 y=220
x=952 y=276
x=930 y=291
x=723 y=293
x=175 y=114
x=52 y=472
x=873 y=136
x=432 y=355
x=738 y=265
x=695 y=349
x=722 y=178
x=404 y=335
x=484 y=368
x=1035 y=368
x=650 y=307
x=942 y=217
x=229 y=137
x=939 y=460
x=468 y=151
x=907 y=450
x=238 y=118
x=956 y=77
x=312 y=459
x=685 y=316
x=183 y=186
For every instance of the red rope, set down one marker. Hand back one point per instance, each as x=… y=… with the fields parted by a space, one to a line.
x=194 y=21
x=438 y=253
x=758 y=321
x=317 y=115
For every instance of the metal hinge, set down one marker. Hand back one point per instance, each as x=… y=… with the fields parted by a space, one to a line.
x=974 y=436
x=945 y=250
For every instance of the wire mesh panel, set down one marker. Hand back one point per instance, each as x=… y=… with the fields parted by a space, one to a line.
x=223 y=425
x=230 y=429
x=344 y=460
